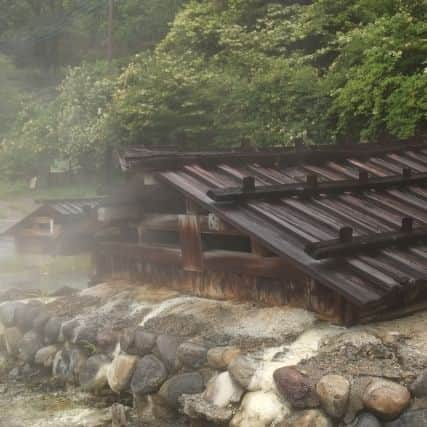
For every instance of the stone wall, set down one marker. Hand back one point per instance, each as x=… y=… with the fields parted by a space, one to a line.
x=216 y=363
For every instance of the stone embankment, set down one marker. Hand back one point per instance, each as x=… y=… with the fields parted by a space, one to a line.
x=189 y=361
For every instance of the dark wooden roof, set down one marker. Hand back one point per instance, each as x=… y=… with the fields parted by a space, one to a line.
x=291 y=222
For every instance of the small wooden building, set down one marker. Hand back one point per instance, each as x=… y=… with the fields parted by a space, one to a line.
x=57 y=227
x=340 y=230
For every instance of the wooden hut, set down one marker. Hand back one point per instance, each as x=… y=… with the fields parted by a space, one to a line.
x=57 y=227
x=340 y=230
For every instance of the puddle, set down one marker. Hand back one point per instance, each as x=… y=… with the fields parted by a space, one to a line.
x=23 y=408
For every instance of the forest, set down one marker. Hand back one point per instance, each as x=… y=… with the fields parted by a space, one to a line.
x=202 y=74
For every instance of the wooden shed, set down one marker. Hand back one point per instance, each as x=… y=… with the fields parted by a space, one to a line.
x=57 y=227
x=340 y=230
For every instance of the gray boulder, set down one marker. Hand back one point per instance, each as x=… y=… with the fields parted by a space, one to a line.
x=68 y=363
x=12 y=340
x=309 y=418
x=144 y=341
x=192 y=354
x=25 y=315
x=410 y=419
x=120 y=372
x=296 y=387
x=242 y=369
x=419 y=386
x=334 y=392
x=40 y=321
x=31 y=343
x=386 y=398
x=127 y=339
x=46 y=355
x=93 y=373
x=167 y=347
x=150 y=373
x=7 y=312
x=178 y=385
x=195 y=407
x=366 y=420
x=52 y=330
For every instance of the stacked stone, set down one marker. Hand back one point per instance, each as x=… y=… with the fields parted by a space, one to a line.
x=168 y=374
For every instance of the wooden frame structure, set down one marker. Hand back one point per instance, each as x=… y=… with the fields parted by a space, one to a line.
x=264 y=226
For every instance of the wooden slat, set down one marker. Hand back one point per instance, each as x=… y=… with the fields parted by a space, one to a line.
x=191 y=243
x=308 y=190
x=366 y=243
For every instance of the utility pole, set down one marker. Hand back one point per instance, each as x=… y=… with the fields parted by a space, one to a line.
x=110 y=31
x=108 y=160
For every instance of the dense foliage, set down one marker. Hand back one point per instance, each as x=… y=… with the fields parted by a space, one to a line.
x=254 y=71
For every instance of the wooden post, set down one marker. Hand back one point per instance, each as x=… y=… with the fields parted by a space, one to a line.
x=191 y=243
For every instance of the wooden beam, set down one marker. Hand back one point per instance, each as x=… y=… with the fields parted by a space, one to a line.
x=246 y=264
x=119 y=213
x=318 y=154
x=312 y=187
x=143 y=252
x=191 y=243
x=208 y=224
x=347 y=245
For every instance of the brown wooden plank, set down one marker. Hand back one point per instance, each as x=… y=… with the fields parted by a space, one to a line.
x=246 y=263
x=143 y=252
x=191 y=243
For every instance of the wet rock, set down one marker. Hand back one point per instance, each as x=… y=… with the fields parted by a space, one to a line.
x=366 y=420
x=93 y=374
x=64 y=291
x=46 y=355
x=259 y=409
x=161 y=410
x=166 y=347
x=309 y=418
x=192 y=354
x=221 y=357
x=14 y=373
x=7 y=312
x=40 y=321
x=12 y=339
x=150 y=373
x=120 y=372
x=3 y=364
x=296 y=387
x=176 y=386
x=25 y=315
x=86 y=333
x=31 y=343
x=386 y=399
x=222 y=390
x=242 y=369
x=144 y=341
x=410 y=419
x=195 y=407
x=68 y=363
x=52 y=330
x=107 y=338
x=127 y=339
x=118 y=415
x=333 y=392
x=419 y=386
x=69 y=328
x=355 y=401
